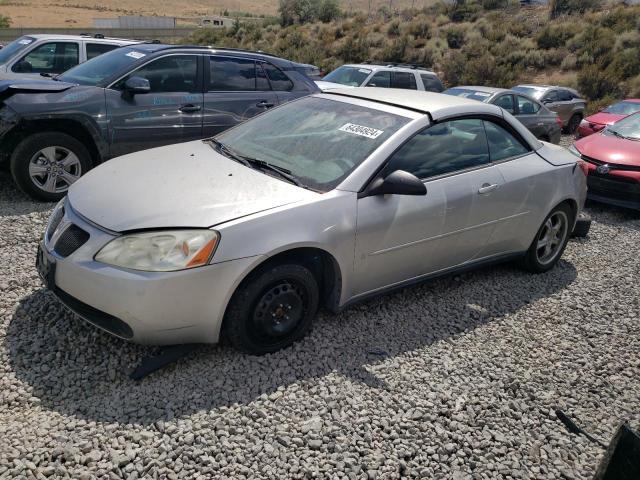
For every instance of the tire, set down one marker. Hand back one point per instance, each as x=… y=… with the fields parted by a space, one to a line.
x=67 y=157
x=535 y=260
x=583 y=225
x=572 y=124
x=256 y=320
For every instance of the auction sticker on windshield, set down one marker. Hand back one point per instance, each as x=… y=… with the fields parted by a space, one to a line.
x=361 y=130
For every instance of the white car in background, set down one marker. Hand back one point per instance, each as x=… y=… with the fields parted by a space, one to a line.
x=34 y=56
x=382 y=75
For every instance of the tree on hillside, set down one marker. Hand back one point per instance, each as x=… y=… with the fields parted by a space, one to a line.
x=305 y=11
x=5 y=22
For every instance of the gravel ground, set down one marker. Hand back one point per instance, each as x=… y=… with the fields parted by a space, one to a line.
x=457 y=378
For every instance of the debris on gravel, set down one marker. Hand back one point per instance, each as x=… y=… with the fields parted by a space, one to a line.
x=456 y=378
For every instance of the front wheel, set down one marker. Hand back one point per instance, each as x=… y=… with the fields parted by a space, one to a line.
x=274 y=308
x=573 y=123
x=44 y=165
x=550 y=241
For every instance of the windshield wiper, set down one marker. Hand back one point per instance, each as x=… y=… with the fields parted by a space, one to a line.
x=254 y=162
x=222 y=148
x=619 y=135
x=282 y=172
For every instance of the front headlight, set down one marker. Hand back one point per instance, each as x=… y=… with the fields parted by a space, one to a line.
x=575 y=151
x=162 y=251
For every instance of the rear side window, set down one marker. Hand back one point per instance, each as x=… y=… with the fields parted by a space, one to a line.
x=431 y=83
x=279 y=81
x=443 y=148
x=97 y=49
x=404 y=80
x=53 y=57
x=565 y=96
x=380 y=79
x=502 y=144
x=231 y=74
x=552 y=96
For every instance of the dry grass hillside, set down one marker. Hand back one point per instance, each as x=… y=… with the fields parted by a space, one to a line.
x=80 y=13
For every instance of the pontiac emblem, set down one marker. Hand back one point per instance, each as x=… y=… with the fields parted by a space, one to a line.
x=603 y=169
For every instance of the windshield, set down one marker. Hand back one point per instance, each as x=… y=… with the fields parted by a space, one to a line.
x=319 y=141
x=468 y=93
x=9 y=50
x=100 y=68
x=351 y=76
x=531 y=91
x=628 y=127
x=623 y=108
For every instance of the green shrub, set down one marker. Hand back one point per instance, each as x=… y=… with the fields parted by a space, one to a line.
x=5 y=22
x=554 y=36
x=595 y=83
x=455 y=37
x=560 y=7
x=569 y=62
x=625 y=64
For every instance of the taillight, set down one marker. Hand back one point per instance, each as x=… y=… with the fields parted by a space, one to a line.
x=584 y=166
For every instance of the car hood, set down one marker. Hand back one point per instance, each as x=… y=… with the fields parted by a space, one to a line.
x=610 y=149
x=32 y=85
x=322 y=85
x=182 y=185
x=604 y=118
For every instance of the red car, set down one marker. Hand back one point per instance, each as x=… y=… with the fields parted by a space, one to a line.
x=607 y=116
x=613 y=161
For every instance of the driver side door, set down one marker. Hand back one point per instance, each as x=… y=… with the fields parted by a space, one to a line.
x=170 y=113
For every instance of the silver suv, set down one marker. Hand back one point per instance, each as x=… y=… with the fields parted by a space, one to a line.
x=382 y=75
x=34 y=55
x=566 y=102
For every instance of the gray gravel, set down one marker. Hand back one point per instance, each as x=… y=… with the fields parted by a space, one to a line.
x=457 y=378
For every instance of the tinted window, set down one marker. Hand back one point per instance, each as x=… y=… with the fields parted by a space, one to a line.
x=96 y=49
x=443 y=148
x=380 y=79
x=54 y=57
x=279 y=81
x=229 y=74
x=526 y=106
x=173 y=73
x=506 y=102
x=319 y=140
x=502 y=144
x=534 y=92
x=103 y=67
x=565 y=95
x=404 y=80
x=261 y=78
x=431 y=83
x=551 y=96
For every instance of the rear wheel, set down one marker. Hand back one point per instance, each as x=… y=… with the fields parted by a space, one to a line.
x=44 y=165
x=550 y=241
x=574 y=121
x=272 y=310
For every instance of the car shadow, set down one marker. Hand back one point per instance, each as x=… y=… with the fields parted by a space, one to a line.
x=20 y=203
x=614 y=216
x=75 y=369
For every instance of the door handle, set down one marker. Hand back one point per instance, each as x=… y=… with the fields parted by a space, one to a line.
x=190 y=108
x=264 y=104
x=486 y=188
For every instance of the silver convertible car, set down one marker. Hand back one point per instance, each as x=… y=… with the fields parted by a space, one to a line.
x=321 y=202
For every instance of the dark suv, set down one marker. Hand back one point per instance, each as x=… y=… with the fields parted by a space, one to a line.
x=130 y=99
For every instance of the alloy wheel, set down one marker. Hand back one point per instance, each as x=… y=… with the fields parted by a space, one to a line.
x=551 y=237
x=54 y=169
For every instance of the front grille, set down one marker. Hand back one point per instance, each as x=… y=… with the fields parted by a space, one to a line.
x=612 y=166
x=71 y=240
x=54 y=222
x=107 y=322
x=618 y=188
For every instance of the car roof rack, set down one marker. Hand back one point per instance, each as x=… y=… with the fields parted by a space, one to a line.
x=415 y=66
x=213 y=47
x=92 y=35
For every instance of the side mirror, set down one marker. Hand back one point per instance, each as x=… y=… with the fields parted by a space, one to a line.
x=23 y=67
x=136 y=85
x=397 y=183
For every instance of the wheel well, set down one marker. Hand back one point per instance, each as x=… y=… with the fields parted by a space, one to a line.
x=70 y=127
x=322 y=264
x=572 y=205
